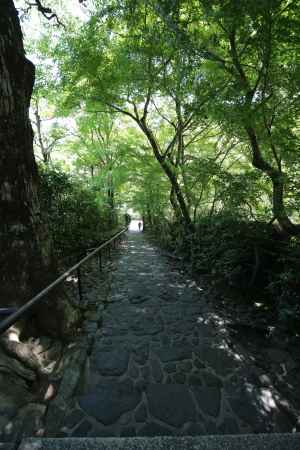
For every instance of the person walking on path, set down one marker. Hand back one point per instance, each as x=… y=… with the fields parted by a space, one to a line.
x=140 y=225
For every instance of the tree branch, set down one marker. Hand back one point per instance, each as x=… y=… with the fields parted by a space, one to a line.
x=46 y=11
x=123 y=111
x=162 y=115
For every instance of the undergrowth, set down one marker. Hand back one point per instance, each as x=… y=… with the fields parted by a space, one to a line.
x=248 y=258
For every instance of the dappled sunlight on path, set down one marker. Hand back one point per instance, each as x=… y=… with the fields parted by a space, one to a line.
x=163 y=362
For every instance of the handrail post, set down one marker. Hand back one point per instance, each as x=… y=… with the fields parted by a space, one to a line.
x=15 y=316
x=79 y=284
x=100 y=261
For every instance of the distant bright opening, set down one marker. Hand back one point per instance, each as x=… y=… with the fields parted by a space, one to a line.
x=136 y=225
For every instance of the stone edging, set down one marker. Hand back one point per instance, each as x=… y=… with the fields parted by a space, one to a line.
x=274 y=441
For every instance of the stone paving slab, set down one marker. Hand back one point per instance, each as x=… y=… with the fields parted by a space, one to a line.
x=244 y=442
x=159 y=367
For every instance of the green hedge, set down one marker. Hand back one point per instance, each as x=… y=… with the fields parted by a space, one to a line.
x=73 y=213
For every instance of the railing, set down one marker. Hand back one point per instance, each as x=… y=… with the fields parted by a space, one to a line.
x=13 y=318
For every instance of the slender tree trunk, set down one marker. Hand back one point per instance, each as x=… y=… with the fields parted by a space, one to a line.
x=171 y=176
x=44 y=150
x=144 y=223
x=25 y=250
x=258 y=161
x=174 y=203
x=149 y=221
x=212 y=209
x=278 y=184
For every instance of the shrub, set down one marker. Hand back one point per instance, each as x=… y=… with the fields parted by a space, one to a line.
x=246 y=258
x=75 y=219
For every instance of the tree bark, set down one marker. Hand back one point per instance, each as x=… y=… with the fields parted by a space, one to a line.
x=25 y=248
x=171 y=176
x=258 y=161
x=174 y=203
x=278 y=184
x=44 y=150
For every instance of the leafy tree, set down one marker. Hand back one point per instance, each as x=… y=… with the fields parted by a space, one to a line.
x=147 y=78
x=247 y=53
x=75 y=217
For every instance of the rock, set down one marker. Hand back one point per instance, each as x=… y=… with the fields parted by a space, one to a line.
x=199 y=364
x=186 y=366
x=210 y=379
x=145 y=325
x=208 y=399
x=195 y=380
x=125 y=418
x=128 y=431
x=153 y=429
x=101 y=431
x=13 y=395
x=8 y=407
x=171 y=403
x=74 y=418
x=133 y=371
x=137 y=299
x=179 y=377
x=170 y=354
x=156 y=370
x=247 y=408
x=4 y=422
x=145 y=372
x=194 y=429
x=229 y=426
x=110 y=401
x=113 y=363
x=83 y=429
x=30 y=420
x=55 y=416
x=141 y=413
x=50 y=354
x=141 y=385
x=73 y=372
x=141 y=353
x=221 y=360
x=283 y=423
x=211 y=428
x=42 y=344
x=13 y=366
x=166 y=340
x=170 y=367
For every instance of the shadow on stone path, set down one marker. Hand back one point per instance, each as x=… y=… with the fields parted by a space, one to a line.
x=159 y=367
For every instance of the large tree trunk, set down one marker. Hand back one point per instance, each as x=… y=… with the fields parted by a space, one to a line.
x=25 y=250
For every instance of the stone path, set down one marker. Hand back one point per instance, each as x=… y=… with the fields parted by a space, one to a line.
x=160 y=367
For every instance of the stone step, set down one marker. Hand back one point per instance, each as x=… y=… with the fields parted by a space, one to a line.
x=274 y=441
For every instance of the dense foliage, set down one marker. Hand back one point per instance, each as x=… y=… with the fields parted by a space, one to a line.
x=246 y=261
x=72 y=210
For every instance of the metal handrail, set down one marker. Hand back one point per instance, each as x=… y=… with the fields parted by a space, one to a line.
x=13 y=318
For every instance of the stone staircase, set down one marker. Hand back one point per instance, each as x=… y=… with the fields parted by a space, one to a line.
x=274 y=441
